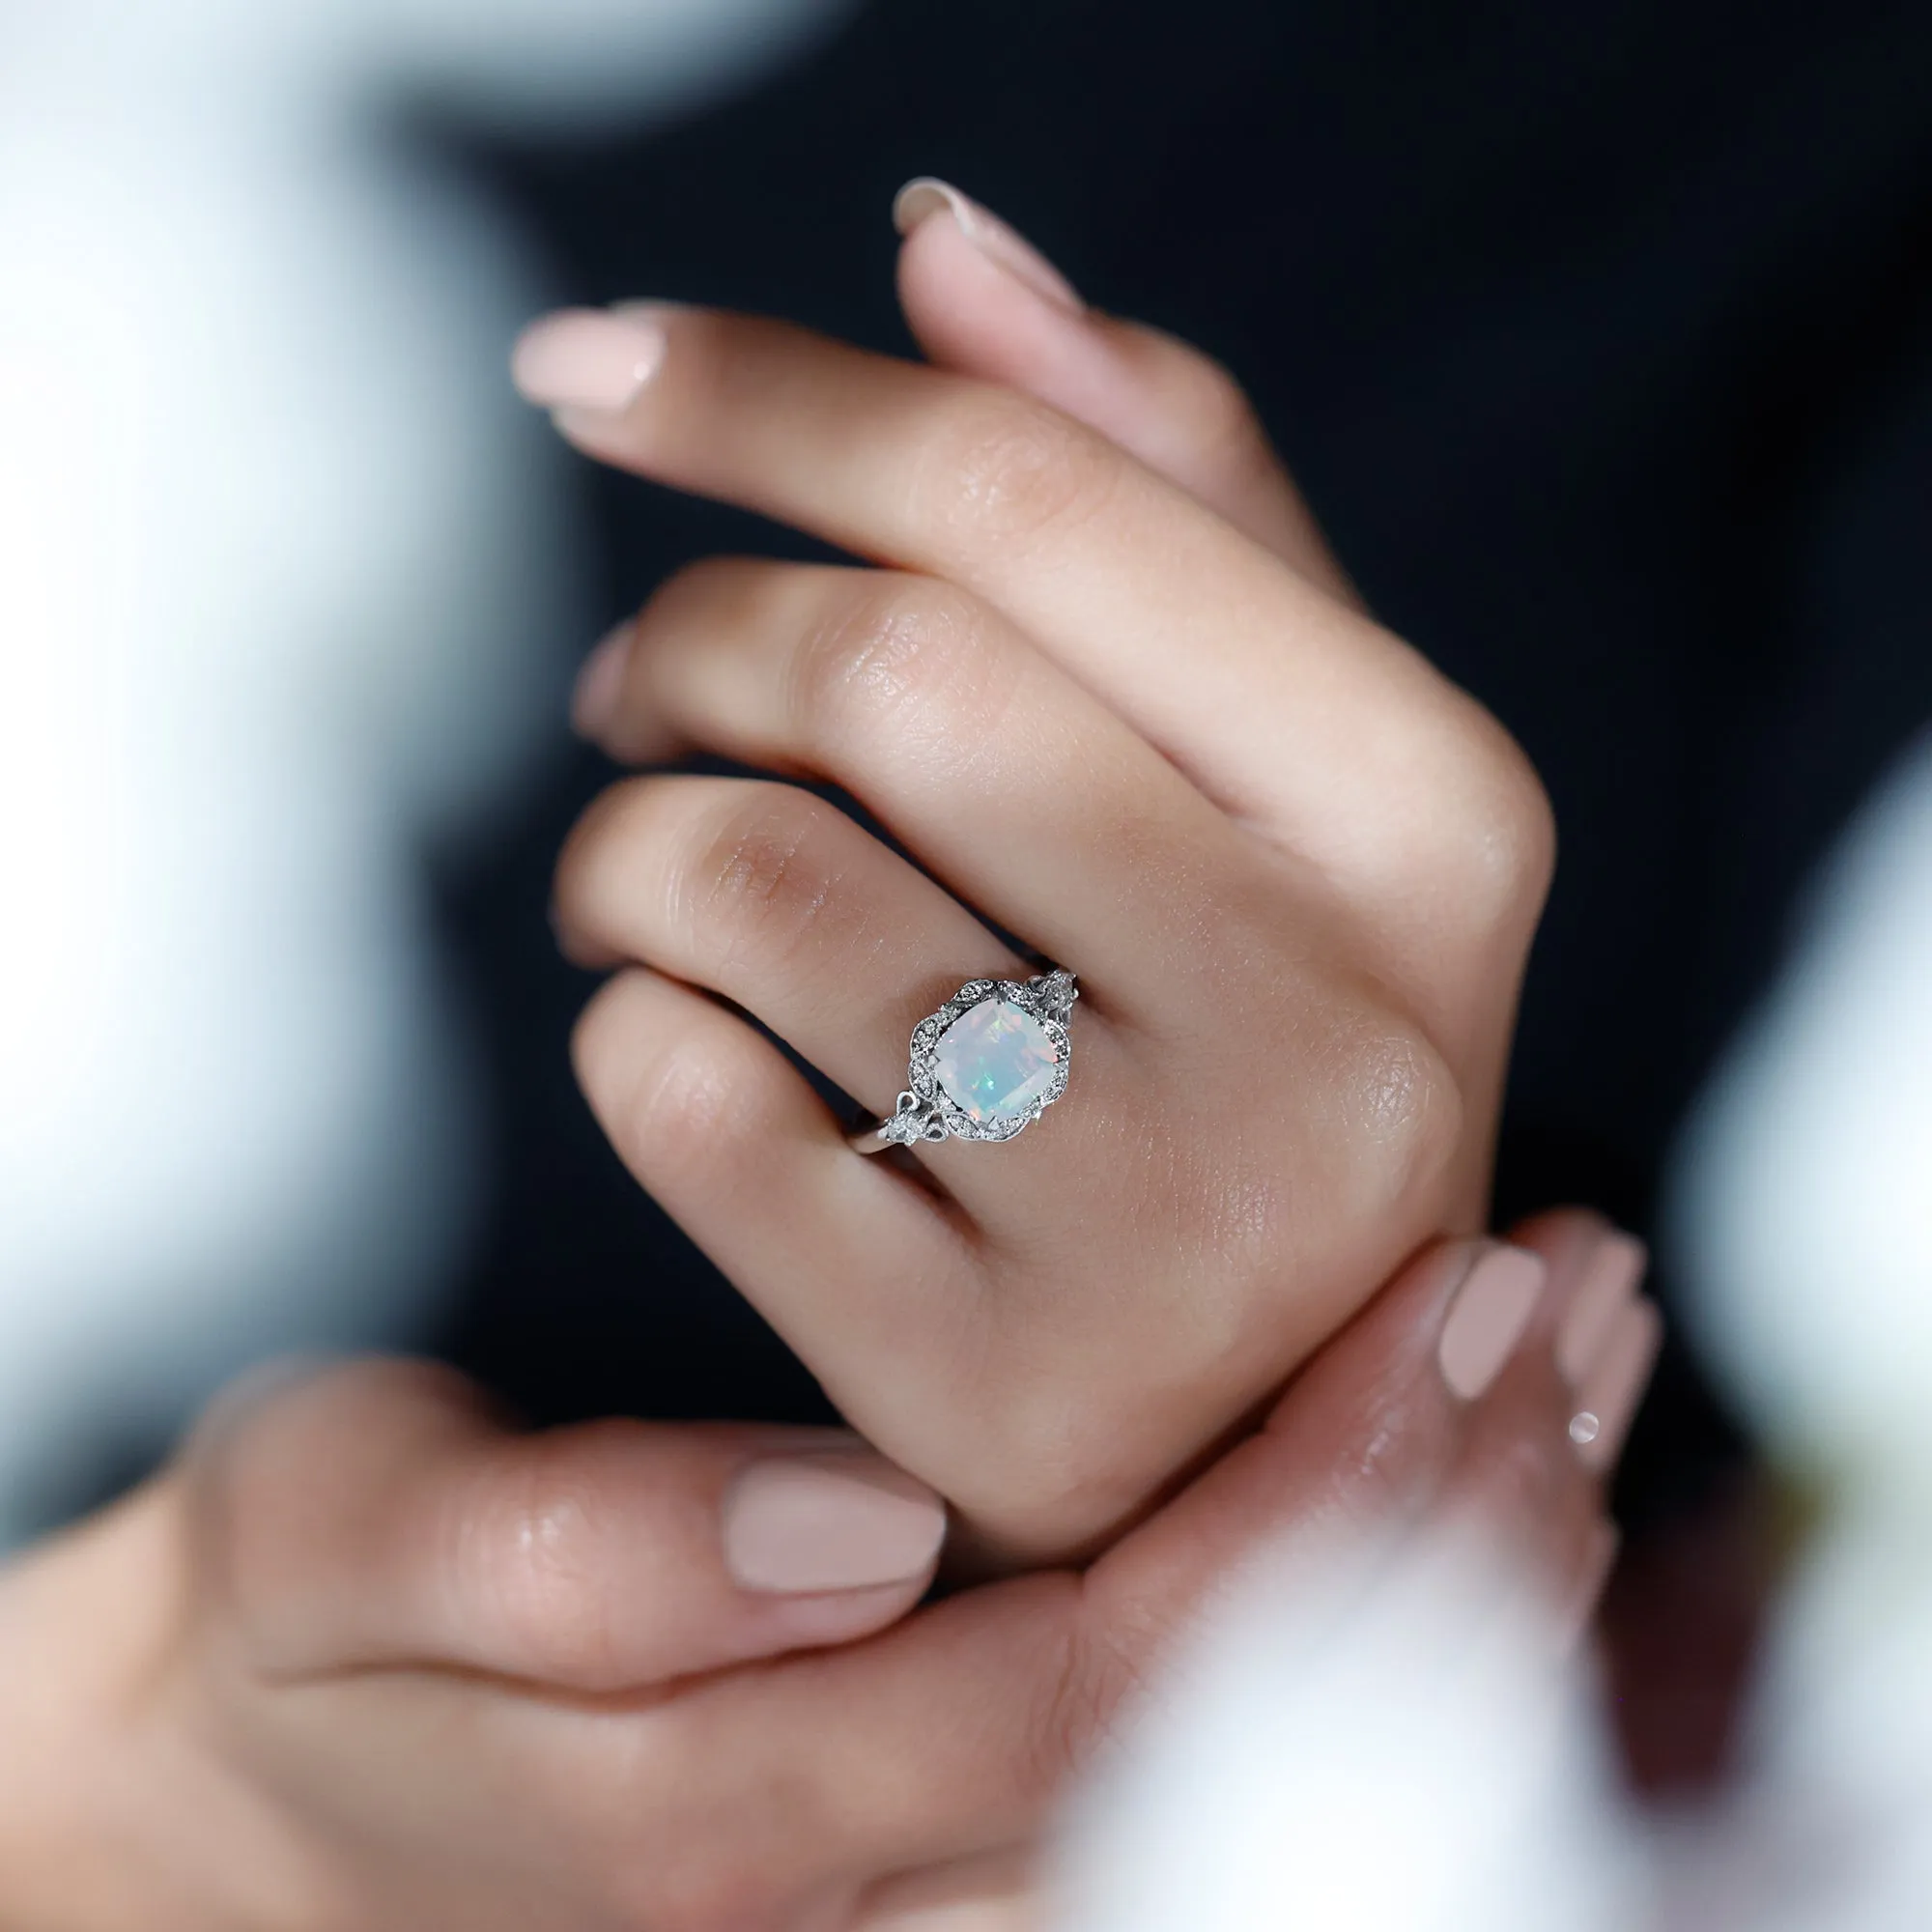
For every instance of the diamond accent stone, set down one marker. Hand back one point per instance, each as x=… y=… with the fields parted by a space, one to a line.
x=996 y=1063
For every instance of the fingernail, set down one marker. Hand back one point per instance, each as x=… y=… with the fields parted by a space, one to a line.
x=838 y=1521
x=1487 y=1319
x=600 y=684
x=1611 y=1278
x=586 y=358
x=1610 y=1393
x=926 y=196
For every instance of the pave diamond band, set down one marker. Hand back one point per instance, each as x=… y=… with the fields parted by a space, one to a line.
x=985 y=1065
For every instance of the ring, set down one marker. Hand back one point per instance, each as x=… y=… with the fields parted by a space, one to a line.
x=987 y=1065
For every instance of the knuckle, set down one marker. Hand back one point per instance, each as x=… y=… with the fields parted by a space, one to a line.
x=1010 y=468
x=256 y=1447
x=1223 y=420
x=1380 y=1110
x=1502 y=849
x=1528 y=827
x=888 y=645
x=531 y=1550
x=756 y=883
x=1406 y=1111
x=261 y=1531
x=1202 y=428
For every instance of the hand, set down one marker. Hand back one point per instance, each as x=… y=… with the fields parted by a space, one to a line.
x=365 y=1660
x=1112 y=696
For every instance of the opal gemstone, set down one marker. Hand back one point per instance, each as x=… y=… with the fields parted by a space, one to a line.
x=994 y=1061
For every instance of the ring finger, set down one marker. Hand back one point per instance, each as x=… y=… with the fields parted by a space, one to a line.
x=779 y=900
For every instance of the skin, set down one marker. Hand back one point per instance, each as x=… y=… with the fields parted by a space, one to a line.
x=364 y=1657
x=1109 y=693
x=271 y=1688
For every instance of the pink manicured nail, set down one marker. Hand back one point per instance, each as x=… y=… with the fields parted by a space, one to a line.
x=840 y=1521
x=1609 y=1398
x=600 y=684
x=1611 y=1277
x=586 y=358
x=1487 y=1319
x=926 y=196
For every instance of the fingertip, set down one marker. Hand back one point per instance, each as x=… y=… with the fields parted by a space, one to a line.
x=925 y=198
x=598 y=693
x=1602 y=1278
x=587 y=360
x=239 y=1400
x=1487 y=1318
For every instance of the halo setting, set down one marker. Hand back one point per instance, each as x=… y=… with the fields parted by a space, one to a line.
x=987 y=1065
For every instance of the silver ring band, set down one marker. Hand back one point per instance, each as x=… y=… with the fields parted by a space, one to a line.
x=984 y=1066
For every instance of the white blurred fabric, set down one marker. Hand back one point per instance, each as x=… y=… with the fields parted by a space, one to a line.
x=1804 y=1215
x=1361 y=1743
x=284 y=592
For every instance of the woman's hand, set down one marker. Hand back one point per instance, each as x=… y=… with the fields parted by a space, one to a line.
x=365 y=1660
x=1110 y=695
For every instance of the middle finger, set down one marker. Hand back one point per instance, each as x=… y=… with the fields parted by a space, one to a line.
x=1026 y=796
x=1283 y=705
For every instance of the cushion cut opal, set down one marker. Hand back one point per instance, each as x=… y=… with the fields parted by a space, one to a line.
x=994 y=1061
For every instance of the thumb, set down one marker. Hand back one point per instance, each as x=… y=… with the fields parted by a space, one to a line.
x=376 y=1513
x=984 y=301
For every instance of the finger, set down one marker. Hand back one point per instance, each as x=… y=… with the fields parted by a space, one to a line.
x=863 y=1271
x=1018 y=789
x=773 y=1797
x=983 y=303
x=780 y=902
x=1608 y=1345
x=1453 y=1375
x=883 y=1301
x=1283 y=707
x=1520 y=1490
x=998 y=1695
x=375 y=1515
x=1599 y=1337
x=952 y=1734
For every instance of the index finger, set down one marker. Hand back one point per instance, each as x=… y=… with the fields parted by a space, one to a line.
x=1283 y=705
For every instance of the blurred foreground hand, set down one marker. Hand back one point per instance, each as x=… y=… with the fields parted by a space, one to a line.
x=364 y=1660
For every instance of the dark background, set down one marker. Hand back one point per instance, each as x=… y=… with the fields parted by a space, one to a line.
x=1600 y=338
